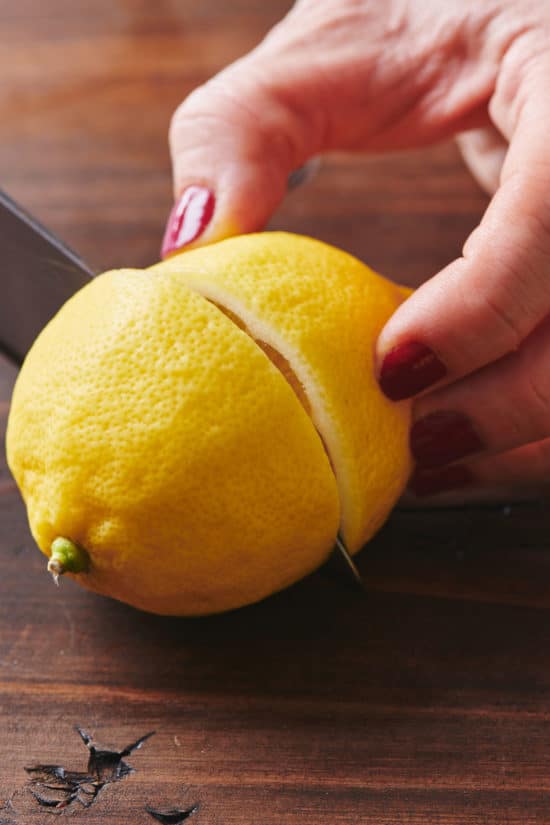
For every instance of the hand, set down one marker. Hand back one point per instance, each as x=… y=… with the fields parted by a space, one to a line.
x=350 y=75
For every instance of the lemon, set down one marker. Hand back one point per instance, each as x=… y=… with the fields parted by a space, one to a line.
x=190 y=438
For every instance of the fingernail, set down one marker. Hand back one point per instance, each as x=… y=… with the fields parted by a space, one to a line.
x=442 y=437
x=430 y=482
x=408 y=369
x=188 y=219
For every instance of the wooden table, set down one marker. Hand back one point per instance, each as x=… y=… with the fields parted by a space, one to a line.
x=428 y=700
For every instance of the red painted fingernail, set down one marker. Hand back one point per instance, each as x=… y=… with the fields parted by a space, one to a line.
x=408 y=369
x=430 y=482
x=442 y=437
x=188 y=219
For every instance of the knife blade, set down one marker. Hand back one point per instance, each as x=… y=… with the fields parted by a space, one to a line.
x=38 y=274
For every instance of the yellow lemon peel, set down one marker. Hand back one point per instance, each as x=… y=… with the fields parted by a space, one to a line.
x=221 y=421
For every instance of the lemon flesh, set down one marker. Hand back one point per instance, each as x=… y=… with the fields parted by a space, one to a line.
x=199 y=468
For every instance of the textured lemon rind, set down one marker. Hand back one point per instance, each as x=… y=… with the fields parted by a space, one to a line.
x=252 y=503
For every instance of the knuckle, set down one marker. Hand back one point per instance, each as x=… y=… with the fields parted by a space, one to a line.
x=201 y=107
x=523 y=51
x=504 y=316
x=515 y=294
x=526 y=192
x=253 y=117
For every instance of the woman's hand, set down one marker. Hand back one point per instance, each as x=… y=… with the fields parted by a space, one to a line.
x=360 y=76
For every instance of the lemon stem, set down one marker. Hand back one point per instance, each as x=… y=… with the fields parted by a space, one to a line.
x=67 y=557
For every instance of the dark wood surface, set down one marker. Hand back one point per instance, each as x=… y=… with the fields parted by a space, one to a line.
x=426 y=701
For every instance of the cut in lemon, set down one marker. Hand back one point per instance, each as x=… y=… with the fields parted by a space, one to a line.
x=198 y=432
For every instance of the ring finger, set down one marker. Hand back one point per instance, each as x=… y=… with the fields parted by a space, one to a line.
x=500 y=407
x=521 y=472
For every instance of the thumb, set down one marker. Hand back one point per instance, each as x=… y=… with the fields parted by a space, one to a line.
x=234 y=143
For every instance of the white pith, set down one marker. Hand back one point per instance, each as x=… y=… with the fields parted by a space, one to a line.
x=261 y=332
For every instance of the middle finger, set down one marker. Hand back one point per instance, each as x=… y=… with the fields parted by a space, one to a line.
x=502 y=406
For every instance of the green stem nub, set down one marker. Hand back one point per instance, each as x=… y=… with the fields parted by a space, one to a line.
x=67 y=557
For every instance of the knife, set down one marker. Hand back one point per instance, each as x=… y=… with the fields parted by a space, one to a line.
x=39 y=273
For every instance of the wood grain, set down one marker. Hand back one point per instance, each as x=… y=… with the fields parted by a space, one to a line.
x=428 y=700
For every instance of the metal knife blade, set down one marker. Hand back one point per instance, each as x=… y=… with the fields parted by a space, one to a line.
x=38 y=274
